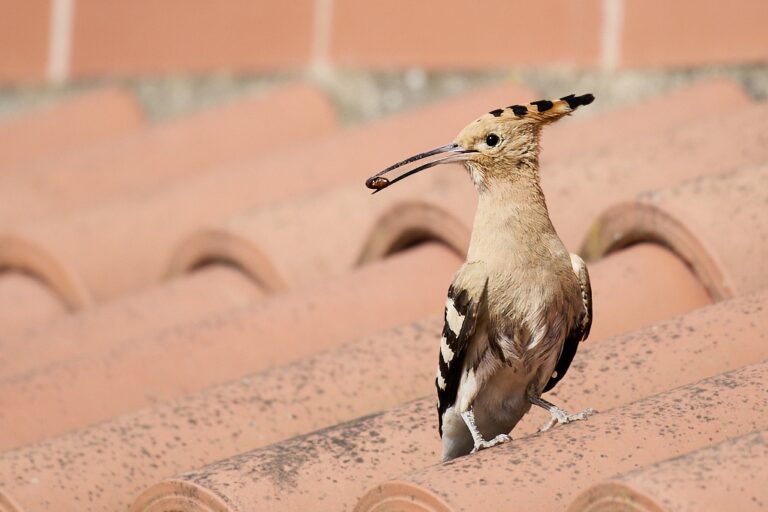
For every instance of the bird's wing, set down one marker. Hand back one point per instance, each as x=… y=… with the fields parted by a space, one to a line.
x=580 y=329
x=461 y=318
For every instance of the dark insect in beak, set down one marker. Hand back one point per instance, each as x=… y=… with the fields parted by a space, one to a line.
x=378 y=182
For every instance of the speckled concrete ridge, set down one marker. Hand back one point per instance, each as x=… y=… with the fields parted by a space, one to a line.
x=361 y=378
x=718 y=224
x=641 y=433
x=100 y=173
x=730 y=475
x=100 y=382
x=94 y=117
x=296 y=474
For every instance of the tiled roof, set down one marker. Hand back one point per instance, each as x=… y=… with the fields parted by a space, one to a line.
x=724 y=476
x=184 y=299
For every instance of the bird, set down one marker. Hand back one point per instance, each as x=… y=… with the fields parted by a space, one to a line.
x=520 y=305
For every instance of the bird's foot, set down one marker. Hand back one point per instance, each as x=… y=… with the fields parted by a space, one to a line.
x=561 y=417
x=482 y=444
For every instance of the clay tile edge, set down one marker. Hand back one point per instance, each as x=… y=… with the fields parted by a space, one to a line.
x=635 y=222
x=401 y=496
x=172 y=495
x=7 y=504
x=18 y=253
x=407 y=223
x=614 y=495
x=219 y=245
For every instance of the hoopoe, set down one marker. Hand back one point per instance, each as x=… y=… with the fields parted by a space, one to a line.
x=520 y=305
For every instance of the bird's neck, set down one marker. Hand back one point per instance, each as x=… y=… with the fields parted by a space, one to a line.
x=511 y=215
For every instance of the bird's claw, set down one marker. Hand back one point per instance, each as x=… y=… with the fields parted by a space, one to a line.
x=499 y=439
x=560 y=417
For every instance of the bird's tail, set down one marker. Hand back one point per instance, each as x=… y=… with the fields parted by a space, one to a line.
x=549 y=111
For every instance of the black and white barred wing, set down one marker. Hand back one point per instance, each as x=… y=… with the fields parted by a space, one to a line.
x=461 y=318
x=580 y=330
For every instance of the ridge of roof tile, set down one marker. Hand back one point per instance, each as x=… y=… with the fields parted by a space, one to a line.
x=265 y=239
x=92 y=117
x=382 y=446
x=175 y=212
x=198 y=294
x=102 y=329
x=362 y=377
x=98 y=384
x=716 y=223
x=678 y=107
x=25 y=301
x=639 y=433
x=729 y=475
x=166 y=153
x=89 y=242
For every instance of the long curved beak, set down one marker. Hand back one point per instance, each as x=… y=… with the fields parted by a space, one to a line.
x=378 y=182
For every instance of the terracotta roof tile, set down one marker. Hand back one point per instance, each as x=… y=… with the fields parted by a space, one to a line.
x=725 y=143
x=83 y=249
x=100 y=381
x=167 y=152
x=717 y=224
x=676 y=108
x=88 y=246
x=643 y=432
x=364 y=452
x=84 y=369
x=198 y=294
x=25 y=301
x=359 y=378
x=638 y=285
x=89 y=118
x=329 y=232
x=730 y=475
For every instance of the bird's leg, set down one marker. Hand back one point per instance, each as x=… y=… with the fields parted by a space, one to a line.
x=477 y=437
x=559 y=416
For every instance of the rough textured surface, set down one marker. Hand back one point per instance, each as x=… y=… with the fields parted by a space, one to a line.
x=127 y=454
x=361 y=378
x=294 y=474
x=206 y=328
x=717 y=224
x=662 y=426
x=101 y=382
x=730 y=475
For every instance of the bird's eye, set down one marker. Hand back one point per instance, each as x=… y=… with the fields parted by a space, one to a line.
x=492 y=139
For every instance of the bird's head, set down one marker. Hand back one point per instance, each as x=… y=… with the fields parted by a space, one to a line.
x=495 y=144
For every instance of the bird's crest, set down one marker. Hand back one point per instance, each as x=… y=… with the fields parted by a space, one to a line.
x=542 y=111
